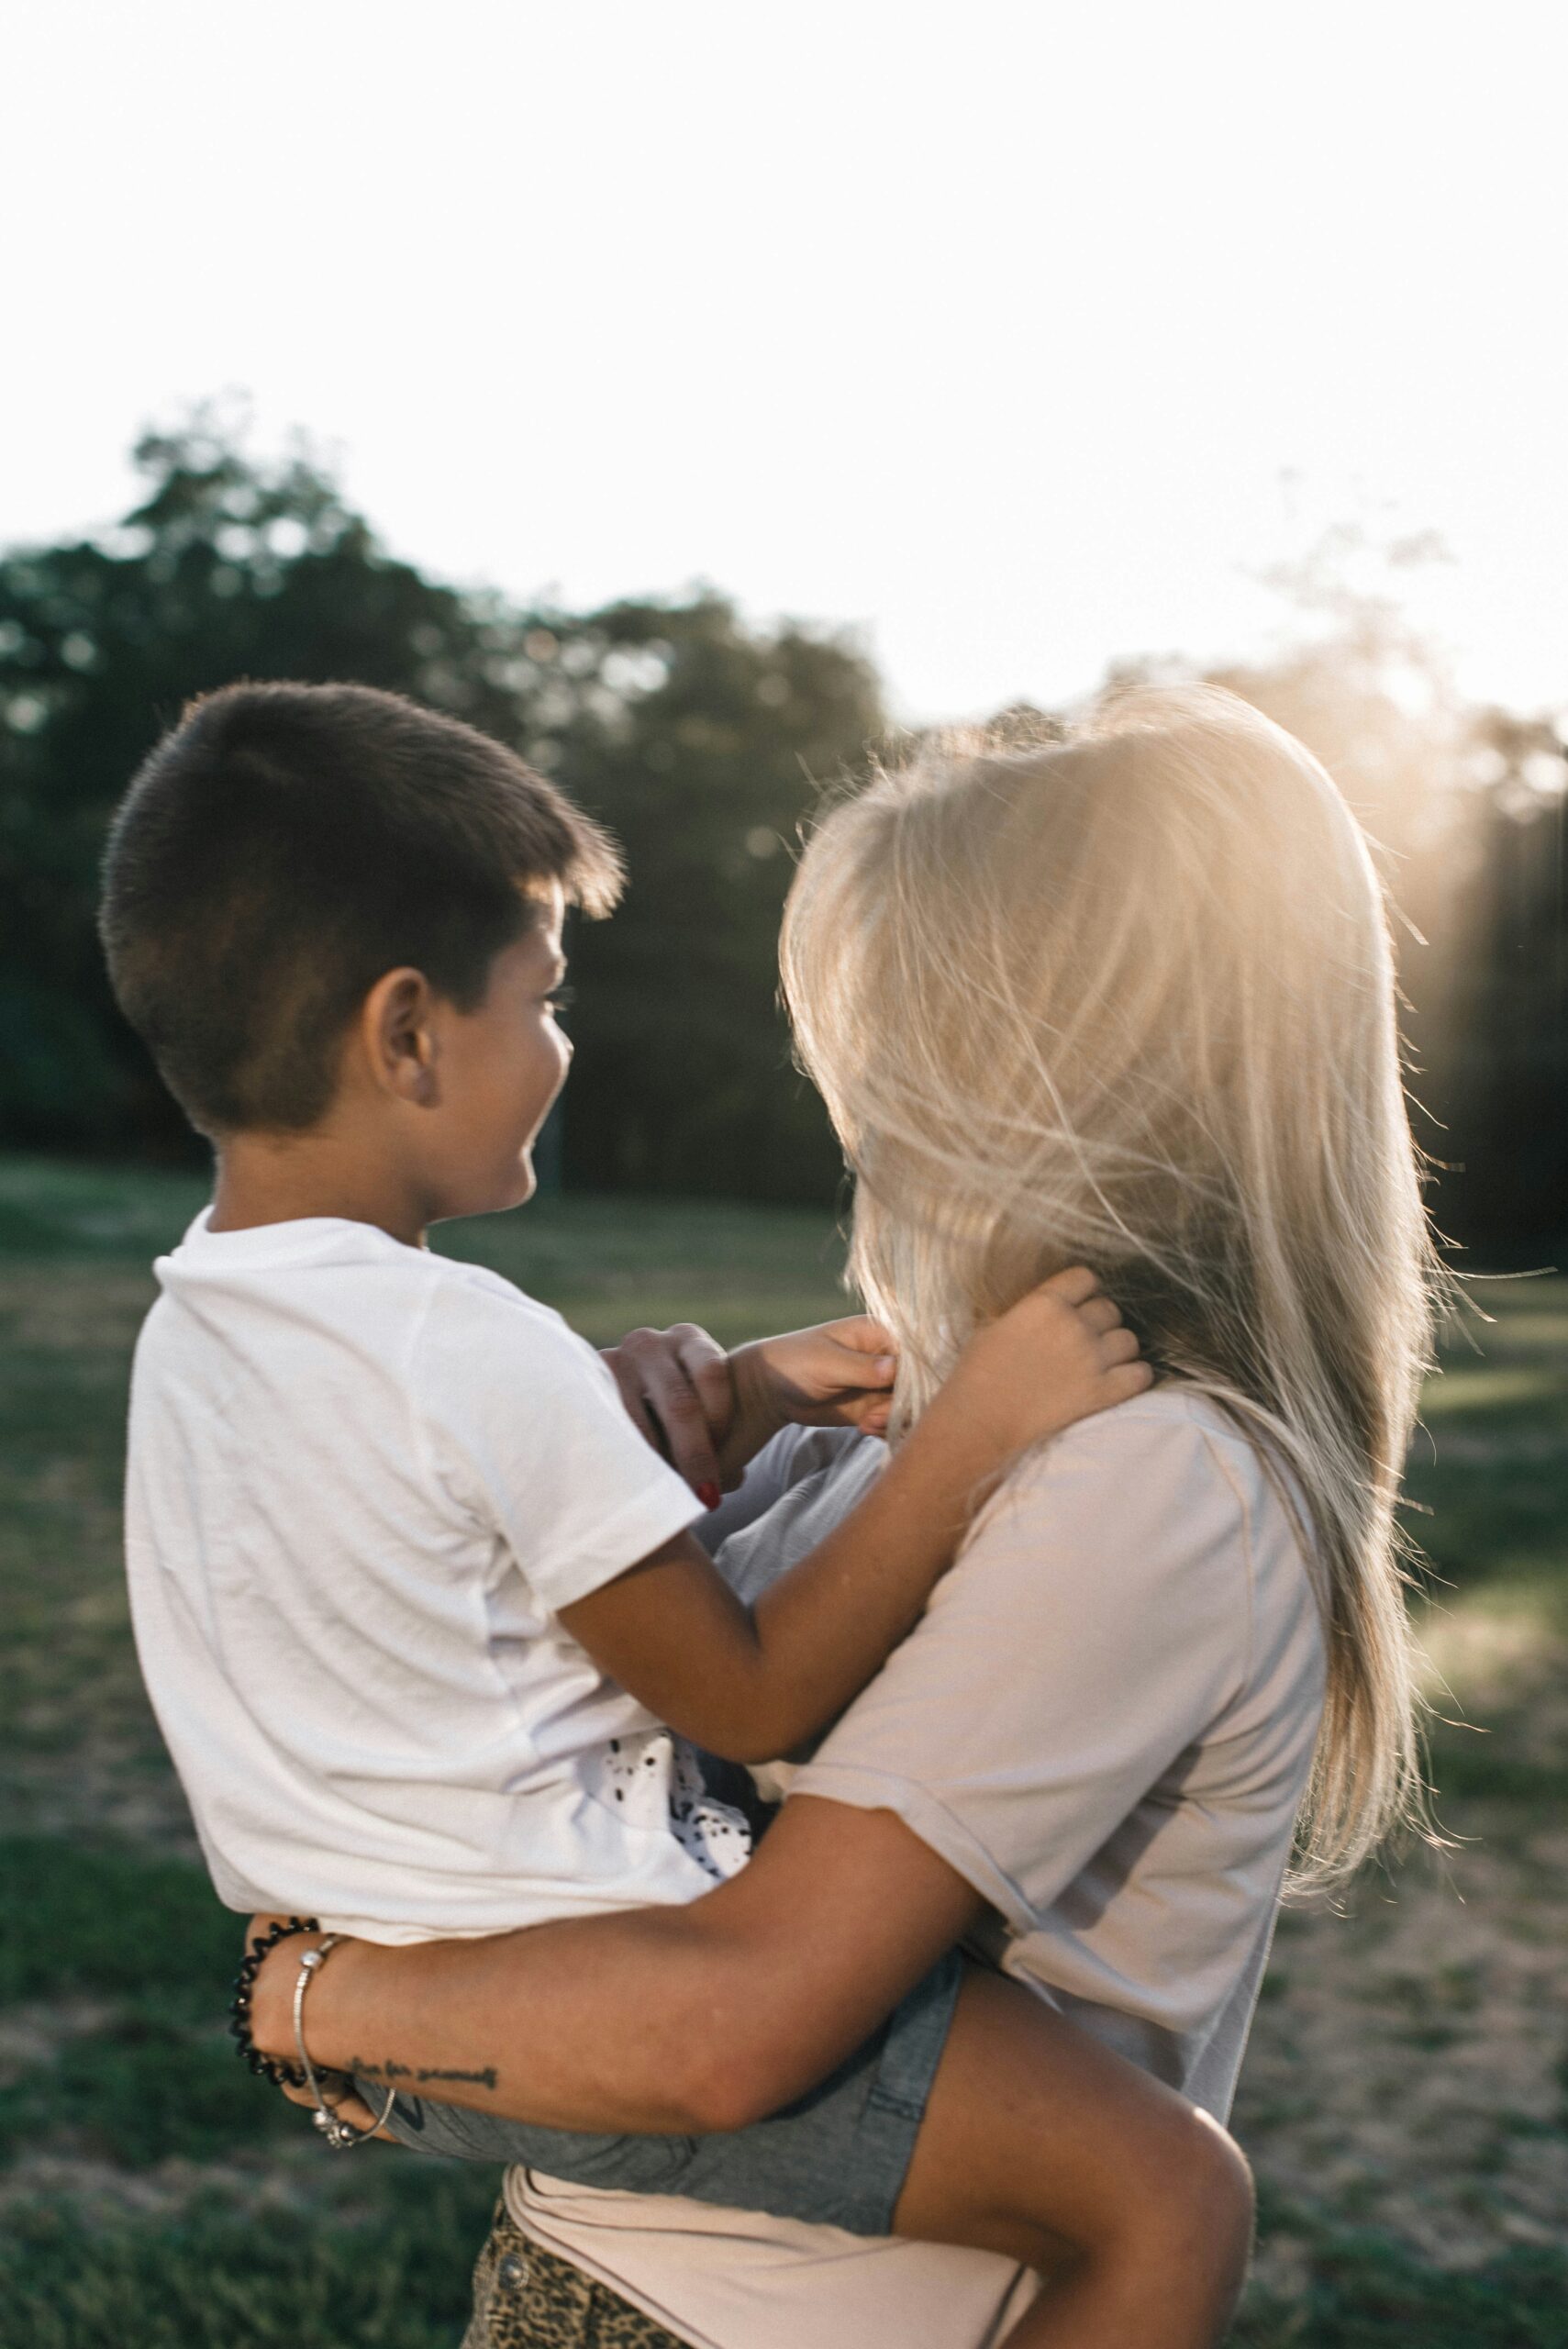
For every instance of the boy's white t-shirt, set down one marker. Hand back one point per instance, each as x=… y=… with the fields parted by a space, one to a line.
x=362 y=1482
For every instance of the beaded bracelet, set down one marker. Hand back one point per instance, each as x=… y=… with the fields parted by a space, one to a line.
x=270 y=2067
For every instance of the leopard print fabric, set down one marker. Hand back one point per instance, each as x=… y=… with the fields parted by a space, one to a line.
x=528 y=2299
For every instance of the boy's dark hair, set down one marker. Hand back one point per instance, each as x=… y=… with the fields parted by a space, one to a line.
x=286 y=845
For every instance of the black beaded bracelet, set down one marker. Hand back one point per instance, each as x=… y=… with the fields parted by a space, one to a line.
x=270 y=2067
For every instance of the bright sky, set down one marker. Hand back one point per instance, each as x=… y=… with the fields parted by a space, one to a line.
x=1019 y=335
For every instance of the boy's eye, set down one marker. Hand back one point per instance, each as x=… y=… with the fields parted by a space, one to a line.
x=560 y=997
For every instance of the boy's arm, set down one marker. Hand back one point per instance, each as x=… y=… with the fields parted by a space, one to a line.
x=750 y=1684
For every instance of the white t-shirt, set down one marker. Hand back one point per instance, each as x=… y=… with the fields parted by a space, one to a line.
x=362 y=1481
x=1104 y=1721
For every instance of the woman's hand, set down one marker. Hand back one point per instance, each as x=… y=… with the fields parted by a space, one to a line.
x=710 y=1412
x=1060 y=1353
x=679 y=1393
x=271 y=2024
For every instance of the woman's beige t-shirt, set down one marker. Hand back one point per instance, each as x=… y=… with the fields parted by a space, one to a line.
x=1104 y=1721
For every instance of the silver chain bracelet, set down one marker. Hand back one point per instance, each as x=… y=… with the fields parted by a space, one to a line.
x=340 y=2135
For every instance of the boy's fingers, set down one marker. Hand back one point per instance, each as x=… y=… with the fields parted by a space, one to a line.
x=1119 y=1345
x=861 y=1335
x=1102 y=1312
x=863 y=1371
x=1076 y=1286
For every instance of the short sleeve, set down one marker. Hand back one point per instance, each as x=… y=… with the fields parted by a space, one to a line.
x=1094 y=1626
x=528 y=1431
x=779 y=1463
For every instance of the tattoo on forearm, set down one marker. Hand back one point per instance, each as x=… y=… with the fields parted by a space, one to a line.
x=419 y=2074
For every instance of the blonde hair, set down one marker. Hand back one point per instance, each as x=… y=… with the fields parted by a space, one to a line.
x=1127 y=999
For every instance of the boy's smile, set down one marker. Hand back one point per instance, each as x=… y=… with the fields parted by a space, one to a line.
x=498 y=1068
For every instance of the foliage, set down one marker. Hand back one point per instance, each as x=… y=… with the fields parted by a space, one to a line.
x=702 y=743
x=697 y=738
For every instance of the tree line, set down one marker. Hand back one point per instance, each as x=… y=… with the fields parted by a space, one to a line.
x=702 y=743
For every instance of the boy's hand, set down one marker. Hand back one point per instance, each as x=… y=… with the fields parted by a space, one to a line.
x=1058 y=1355
x=709 y=1412
x=837 y=1375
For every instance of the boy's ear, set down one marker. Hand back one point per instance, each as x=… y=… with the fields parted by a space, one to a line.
x=396 y=1032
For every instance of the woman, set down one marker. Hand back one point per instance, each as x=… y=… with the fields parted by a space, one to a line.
x=1126 y=1001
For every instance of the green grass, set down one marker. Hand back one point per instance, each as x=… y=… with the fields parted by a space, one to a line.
x=1362 y=2292
x=394 y=2273
x=158 y=2198
x=128 y=1955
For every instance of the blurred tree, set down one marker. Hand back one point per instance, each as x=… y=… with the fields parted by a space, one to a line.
x=1505 y=1022
x=695 y=736
x=700 y=745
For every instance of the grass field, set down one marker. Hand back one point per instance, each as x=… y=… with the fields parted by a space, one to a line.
x=1406 y=2099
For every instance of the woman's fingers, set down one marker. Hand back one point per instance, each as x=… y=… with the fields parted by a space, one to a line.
x=678 y=1380
x=706 y=1365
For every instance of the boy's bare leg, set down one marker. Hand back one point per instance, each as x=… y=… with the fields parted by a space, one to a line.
x=1044 y=2145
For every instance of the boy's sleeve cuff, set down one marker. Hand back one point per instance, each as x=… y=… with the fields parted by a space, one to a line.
x=619 y=1543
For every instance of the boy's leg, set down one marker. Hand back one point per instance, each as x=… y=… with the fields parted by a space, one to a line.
x=976 y=2115
x=1039 y=2143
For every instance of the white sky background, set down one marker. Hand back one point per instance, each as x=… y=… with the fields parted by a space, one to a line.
x=991 y=329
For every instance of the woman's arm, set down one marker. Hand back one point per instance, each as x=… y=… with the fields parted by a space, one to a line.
x=668 y=2021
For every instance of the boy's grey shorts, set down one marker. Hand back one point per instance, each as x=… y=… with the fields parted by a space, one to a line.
x=838 y=2156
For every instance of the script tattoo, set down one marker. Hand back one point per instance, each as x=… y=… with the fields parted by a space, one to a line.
x=419 y=2074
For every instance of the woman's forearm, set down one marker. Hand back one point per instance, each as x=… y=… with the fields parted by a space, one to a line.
x=665 y=2020
x=529 y=2026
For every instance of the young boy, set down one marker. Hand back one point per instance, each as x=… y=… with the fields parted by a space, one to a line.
x=421 y=1614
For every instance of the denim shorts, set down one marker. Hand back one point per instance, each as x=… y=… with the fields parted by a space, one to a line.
x=838 y=2155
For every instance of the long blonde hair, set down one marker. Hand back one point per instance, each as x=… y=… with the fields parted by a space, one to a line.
x=1127 y=999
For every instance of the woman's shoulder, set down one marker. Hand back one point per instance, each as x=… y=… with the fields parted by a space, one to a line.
x=1171 y=1419
x=1172 y=1472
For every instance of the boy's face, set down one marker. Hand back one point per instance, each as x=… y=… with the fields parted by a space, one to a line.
x=501 y=1067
